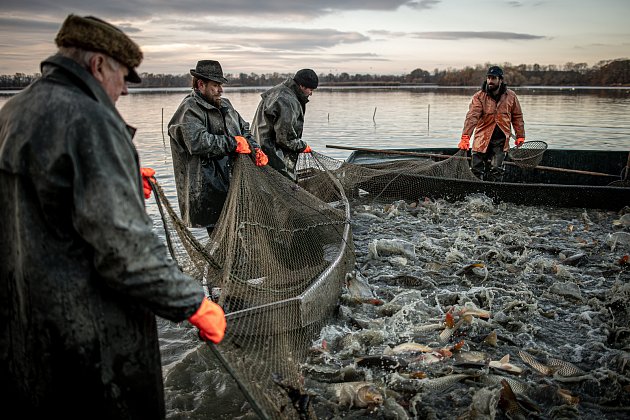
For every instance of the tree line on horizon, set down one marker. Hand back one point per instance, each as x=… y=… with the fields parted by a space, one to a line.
x=604 y=73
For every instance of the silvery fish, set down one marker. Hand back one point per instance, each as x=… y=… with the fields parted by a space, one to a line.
x=411 y=348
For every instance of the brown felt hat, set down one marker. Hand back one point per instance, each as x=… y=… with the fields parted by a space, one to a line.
x=93 y=34
x=209 y=70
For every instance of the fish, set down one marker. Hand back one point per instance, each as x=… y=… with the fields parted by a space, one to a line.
x=508 y=402
x=474 y=311
x=567 y=397
x=359 y=289
x=447 y=333
x=411 y=348
x=515 y=408
x=471 y=356
x=517 y=386
x=358 y=394
x=564 y=369
x=429 y=358
x=444 y=382
x=538 y=366
x=505 y=365
x=478 y=269
x=491 y=339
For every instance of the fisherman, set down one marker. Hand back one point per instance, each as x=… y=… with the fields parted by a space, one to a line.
x=279 y=121
x=82 y=273
x=492 y=113
x=206 y=132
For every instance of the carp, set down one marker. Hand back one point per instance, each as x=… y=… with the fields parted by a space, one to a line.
x=358 y=394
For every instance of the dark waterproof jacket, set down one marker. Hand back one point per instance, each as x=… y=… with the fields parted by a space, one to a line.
x=82 y=275
x=203 y=149
x=484 y=113
x=278 y=123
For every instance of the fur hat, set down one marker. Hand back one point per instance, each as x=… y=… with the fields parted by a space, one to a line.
x=209 y=70
x=307 y=78
x=93 y=34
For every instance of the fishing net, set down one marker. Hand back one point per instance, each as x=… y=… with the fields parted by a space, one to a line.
x=529 y=154
x=278 y=258
x=276 y=263
x=407 y=175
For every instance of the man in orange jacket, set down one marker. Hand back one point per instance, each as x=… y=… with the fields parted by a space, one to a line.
x=492 y=113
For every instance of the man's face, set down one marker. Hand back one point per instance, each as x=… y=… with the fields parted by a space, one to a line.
x=493 y=82
x=212 y=91
x=111 y=74
x=307 y=91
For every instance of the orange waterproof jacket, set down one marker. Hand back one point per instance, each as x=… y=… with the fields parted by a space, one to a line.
x=484 y=112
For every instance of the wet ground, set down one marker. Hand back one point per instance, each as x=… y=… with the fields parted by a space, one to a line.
x=479 y=310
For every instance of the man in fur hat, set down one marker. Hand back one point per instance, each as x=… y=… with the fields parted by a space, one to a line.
x=82 y=274
x=279 y=121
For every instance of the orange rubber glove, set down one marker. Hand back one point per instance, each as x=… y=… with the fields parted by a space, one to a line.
x=242 y=145
x=147 y=175
x=261 y=158
x=307 y=149
x=519 y=141
x=210 y=319
x=464 y=143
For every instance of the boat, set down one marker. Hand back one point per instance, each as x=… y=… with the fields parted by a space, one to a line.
x=596 y=179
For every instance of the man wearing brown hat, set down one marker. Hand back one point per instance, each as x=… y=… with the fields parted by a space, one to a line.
x=206 y=135
x=492 y=113
x=82 y=274
x=279 y=121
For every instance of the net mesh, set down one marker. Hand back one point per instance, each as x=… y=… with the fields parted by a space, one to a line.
x=276 y=263
x=278 y=258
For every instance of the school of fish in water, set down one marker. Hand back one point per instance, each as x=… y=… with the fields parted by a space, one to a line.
x=477 y=310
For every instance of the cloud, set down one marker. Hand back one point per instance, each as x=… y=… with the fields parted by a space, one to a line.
x=277 y=38
x=424 y=4
x=147 y=8
x=459 y=35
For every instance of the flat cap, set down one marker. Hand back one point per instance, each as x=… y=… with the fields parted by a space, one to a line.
x=93 y=34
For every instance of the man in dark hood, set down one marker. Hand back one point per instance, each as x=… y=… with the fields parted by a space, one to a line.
x=279 y=121
x=82 y=274
x=492 y=113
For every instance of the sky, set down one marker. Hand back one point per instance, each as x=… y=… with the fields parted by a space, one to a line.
x=380 y=37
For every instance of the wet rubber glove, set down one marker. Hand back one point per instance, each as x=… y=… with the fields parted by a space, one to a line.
x=464 y=143
x=307 y=149
x=147 y=175
x=261 y=158
x=519 y=141
x=210 y=319
x=242 y=145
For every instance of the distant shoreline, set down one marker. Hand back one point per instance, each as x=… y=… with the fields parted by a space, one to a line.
x=358 y=85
